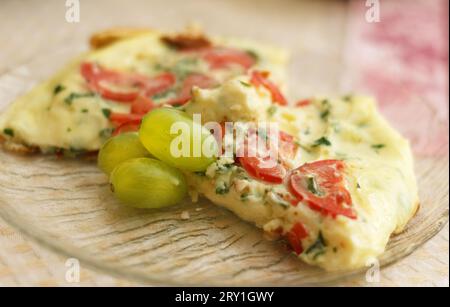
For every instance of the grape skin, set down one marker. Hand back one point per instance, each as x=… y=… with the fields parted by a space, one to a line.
x=148 y=184
x=119 y=149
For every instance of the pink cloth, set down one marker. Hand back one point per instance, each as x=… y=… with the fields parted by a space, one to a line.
x=403 y=61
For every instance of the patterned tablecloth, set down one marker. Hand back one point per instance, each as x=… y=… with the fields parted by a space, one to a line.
x=331 y=30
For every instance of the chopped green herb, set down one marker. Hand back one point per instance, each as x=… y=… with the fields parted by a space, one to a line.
x=312 y=186
x=280 y=201
x=348 y=98
x=245 y=84
x=159 y=66
x=224 y=168
x=188 y=61
x=73 y=152
x=106 y=113
x=222 y=189
x=318 y=247
x=322 y=141
x=253 y=54
x=200 y=174
x=69 y=99
x=178 y=105
x=272 y=110
x=325 y=114
x=59 y=88
x=244 y=196
x=185 y=67
x=69 y=129
x=325 y=102
x=106 y=133
x=358 y=186
x=164 y=94
x=378 y=146
x=84 y=111
x=9 y=131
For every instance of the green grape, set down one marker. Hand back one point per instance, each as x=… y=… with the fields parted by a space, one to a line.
x=148 y=183
x=119 y=149
x=192 y=148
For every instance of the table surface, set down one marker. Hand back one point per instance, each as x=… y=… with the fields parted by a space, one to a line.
x=25 y=23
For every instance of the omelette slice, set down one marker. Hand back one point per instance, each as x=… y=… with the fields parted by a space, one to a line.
x=129 y=72
x=343 y=182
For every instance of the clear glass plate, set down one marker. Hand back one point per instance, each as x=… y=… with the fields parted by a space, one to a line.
x=66 y=205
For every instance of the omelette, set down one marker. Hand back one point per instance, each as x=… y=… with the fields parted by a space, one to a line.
x=127 y=73
x=341 y=184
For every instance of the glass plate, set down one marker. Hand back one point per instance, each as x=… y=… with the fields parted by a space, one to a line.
x=66 y=205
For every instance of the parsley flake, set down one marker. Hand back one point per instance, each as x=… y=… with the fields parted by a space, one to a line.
x=69 y=99
x=9 y=131
x=322 y=141
x=378 y=146
x=106 y=113
x=59 y=88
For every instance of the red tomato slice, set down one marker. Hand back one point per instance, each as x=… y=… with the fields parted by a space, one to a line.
x=131 y=85
x=254 y=166
x=257 y=166
x=100 y=80
x=89 y=71
x=219 y=58
x=198 y=80
x=127 y=127
x=262 y=79
x=295 y=236
x=142 y=105
x=321 y=185
x=159 y=84
x=303 y=103
x=106 y=93
x=122 y=118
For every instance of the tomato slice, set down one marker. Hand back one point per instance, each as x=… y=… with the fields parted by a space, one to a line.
x=255 y=167
x=219 y=58
x=123 y=87
x=159 y=84
x=142 y=105
x=198 y=80
x=267 y=168
x=303 y=103
x=321 y=185
x=101 y=81
x=295 y=236
x=126 y=127
x=121 y=118
x=262 y=79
